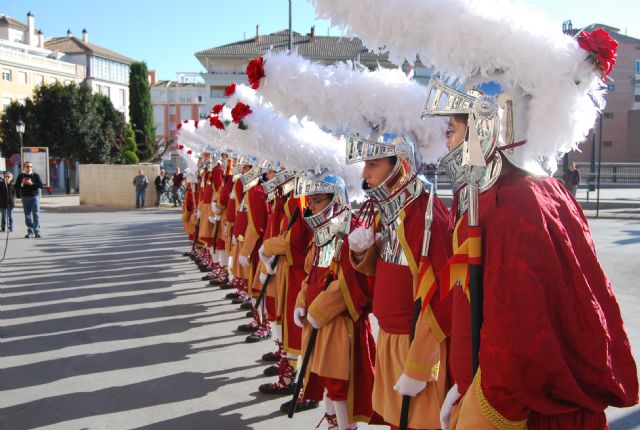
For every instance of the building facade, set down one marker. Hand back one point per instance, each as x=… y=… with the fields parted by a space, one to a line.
x=621 y=116
x=107 y=72
x=173 y=102
x=227 y=64
x=25 y=63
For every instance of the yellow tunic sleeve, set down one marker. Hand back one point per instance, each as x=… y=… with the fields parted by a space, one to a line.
x=423 y=360
x=250 y=239
x=328 y=304
x=275 y=246
x=368 y=263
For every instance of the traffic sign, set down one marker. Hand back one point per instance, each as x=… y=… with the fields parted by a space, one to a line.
x=15 y=159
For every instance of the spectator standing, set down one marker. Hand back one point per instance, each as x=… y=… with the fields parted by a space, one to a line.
x=176 y=183
x=160 y=183
x=571 y=178
x=7 y=201
x=28 y=185
x=141 y=183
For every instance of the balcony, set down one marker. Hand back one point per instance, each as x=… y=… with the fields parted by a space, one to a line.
x=35 y=61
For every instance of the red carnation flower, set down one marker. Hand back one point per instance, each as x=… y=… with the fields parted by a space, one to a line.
x=180 y=147
x=255 y=72
x=179 y=126
x=602 y=49
x=186 y=121
x=189 y=152
x=239 y=112
x=231 y=88
x=196 y=123
x=215 y=122
x=217 y=109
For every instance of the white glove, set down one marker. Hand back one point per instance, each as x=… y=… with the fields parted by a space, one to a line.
x=408 y=386
x=268 y=261
x=234 y=240
x=198 y=213
x=361 y=239
x=312 y=321
x=263 y=277
x=445 y=411
x=244 y=261
x=215 y=209
x=298 y=314
x=212 y=220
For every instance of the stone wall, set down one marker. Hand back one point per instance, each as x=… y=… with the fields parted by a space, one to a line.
x=111 y=185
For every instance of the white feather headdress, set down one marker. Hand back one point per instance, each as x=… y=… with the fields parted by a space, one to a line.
x=347 y=97
x=508 y=42
x=298 y=145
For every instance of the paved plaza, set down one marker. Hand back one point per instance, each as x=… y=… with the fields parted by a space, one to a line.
x=105 y=325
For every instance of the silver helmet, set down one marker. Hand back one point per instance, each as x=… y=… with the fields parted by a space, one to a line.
x=284 y=179
x=403 y=185
x=494 y=122
x=333 y=218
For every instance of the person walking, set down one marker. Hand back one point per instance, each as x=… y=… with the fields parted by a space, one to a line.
x=28 y=185
x=571 y=178
x=141 y=183
x=7 y=201
x=160 y=183
x=176 y=183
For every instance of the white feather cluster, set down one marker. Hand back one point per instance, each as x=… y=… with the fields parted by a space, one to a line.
x=298 y=145
x=346 y=97
x=511 y=42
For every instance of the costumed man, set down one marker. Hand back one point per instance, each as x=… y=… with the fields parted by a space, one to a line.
x=549 y=346
x=407 y=245
x=291 y=244
x=188 y=206
x=257 y=211
x=219 y=201
x=205 y=231
x=340 y=367
x=195 y=251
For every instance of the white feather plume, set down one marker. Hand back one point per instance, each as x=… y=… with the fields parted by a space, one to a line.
x=345 y=97
x=298 y=145
x=470 y=38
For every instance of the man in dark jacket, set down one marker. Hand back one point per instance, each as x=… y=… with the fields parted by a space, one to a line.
x=28 y=185
x=160 y=183
x=7 y=201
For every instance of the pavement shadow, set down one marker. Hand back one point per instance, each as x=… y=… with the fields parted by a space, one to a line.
x=632 y=240
x=627 y=422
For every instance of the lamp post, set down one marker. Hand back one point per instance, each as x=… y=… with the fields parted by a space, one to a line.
x=20 y=126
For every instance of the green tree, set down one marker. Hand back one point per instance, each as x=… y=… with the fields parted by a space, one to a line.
x=9 y=137
x=140 y=110
x=128 y=151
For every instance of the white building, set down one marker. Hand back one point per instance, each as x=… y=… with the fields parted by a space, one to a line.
x=107 y=71
x=26 y=63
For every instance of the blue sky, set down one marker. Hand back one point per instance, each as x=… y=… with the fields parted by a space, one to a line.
x=166 y=34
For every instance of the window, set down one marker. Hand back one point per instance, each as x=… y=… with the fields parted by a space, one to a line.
x=22 y=78
x=53 y=80
x=637 y=66
x=22 y=100
x=39 y=79
x=6 y=74
x=611 y=87
x=216 y=91
x=105 y=91
x=199 y=99
x=6 y=101
x=637 y=98
x=123 y=98
x=607 y=144
x=608 y=115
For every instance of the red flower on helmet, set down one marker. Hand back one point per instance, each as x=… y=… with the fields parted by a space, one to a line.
x=179 y=126
x=196 y=123
x=239 y=112
x=181 y=147
x=189 y=152
x=217 y=109
x=231 y=88
x=214 y=121
x=186 y=121
x=602 y=49
x=255 y=72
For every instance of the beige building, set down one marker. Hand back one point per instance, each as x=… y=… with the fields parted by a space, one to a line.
x=25 y=63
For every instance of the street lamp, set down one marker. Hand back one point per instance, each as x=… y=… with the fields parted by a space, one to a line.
x=20 y=125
